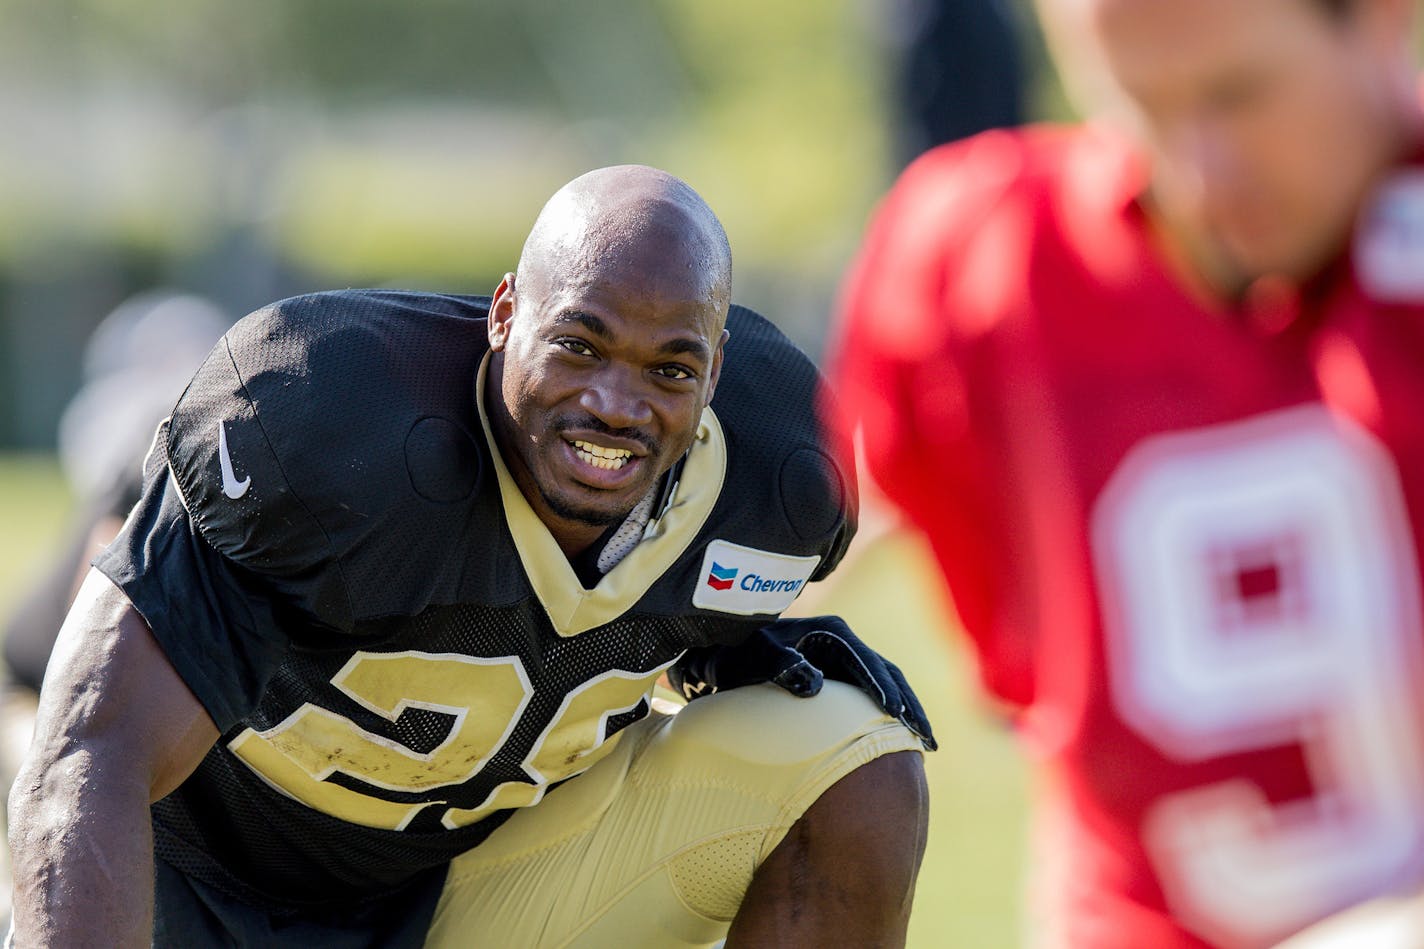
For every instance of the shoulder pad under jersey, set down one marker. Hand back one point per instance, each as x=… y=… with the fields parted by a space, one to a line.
x=788 y=488
x=322 y=419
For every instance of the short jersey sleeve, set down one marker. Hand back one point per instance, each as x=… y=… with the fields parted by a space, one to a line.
x=220 y=556
x=314 y=474
x=233 y=471
x=787 y=485
x=214 y=620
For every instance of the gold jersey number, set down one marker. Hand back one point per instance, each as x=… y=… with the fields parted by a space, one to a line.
x=486 y=699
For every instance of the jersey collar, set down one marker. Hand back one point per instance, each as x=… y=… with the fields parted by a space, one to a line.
x=571 y=608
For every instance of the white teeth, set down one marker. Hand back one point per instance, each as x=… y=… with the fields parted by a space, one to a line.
x=602 y=452
x=609 y=458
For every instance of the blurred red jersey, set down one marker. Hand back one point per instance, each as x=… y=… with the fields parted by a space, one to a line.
x=1182 y=536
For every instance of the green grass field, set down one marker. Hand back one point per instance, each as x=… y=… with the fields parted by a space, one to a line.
x=970 y=887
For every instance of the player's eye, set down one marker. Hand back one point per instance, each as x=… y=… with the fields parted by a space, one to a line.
x=674 y=372
x=575 y=346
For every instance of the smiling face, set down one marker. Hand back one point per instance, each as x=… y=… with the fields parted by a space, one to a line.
x=607 y=345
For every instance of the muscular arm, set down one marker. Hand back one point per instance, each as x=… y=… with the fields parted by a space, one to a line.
x=117 y=730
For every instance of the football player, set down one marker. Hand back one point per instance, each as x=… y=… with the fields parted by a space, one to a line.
x=379 y=642
x=1152 y=388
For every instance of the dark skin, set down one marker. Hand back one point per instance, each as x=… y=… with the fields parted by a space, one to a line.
x=844 y=875
x=609 y=355
x=117 y=730
x=606 y=348
x=570 y=395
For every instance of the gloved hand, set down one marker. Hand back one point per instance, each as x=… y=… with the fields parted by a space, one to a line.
x=798 y=655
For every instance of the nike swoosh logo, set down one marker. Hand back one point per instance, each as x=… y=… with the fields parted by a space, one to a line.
x=232 y=487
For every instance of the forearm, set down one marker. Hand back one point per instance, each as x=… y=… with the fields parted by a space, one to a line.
x=82 y=845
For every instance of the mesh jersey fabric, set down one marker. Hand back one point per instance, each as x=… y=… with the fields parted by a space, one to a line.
x=329 y=504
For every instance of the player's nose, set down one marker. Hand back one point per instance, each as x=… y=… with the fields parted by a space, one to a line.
x=617 y=397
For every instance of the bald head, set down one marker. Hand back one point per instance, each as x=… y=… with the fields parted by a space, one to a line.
x=627 y=217
x=606 y=346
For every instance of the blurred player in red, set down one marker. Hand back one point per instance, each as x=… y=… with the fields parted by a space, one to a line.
x=1156 y=397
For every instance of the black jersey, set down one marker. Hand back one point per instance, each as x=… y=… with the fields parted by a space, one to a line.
x=337 y=563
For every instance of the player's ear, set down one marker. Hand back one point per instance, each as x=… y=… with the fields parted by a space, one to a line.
x=716 y=372
x=501 y=313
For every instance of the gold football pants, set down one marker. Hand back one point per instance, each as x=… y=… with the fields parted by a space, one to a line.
x=655 y=844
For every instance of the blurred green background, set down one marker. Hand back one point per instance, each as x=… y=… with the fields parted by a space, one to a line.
x=248 y=151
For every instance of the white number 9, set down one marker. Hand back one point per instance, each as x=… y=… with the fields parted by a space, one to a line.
x=1260 y=590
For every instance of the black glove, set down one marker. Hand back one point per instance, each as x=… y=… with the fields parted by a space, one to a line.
x=798 y=655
